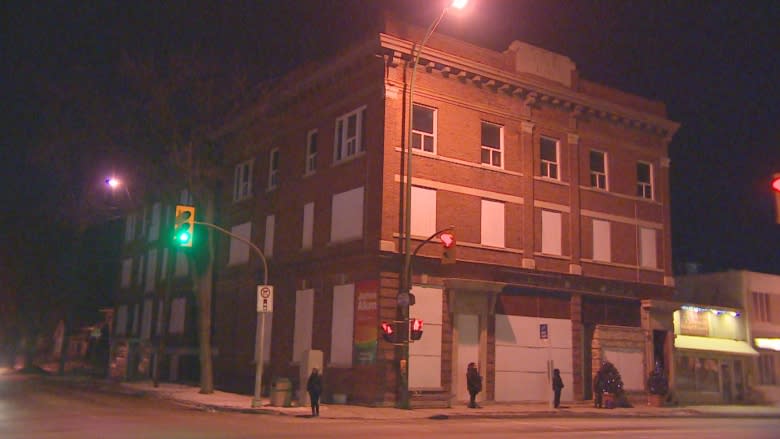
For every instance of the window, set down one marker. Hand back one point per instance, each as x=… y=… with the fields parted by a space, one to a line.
x=311 y=152
x=423 y=221
x=602 y=241
x=239 y=250
x=347 y=215
x=644 y=180
x=551 y=233
x=130 y=228
x=492 y=139
x=273 y=169
x=151 y=270
x=647 y=247
x=350 y=135
x=304 y=316
x=136 y=317
x=121 y=320
x=242 y=181
x=760 y=302
x=268 y=247
x=146 y=319
x=492 y=223
x=159 y=324
x=181 y=266
x=164 y=264
x=766 y=369
x=598 y=169
x=424 y=128
x=342 y=325
x=127 y=269
x=308 y=226
x=139 y=275
x=154 y=227
x=178 y=313
x=548 y=153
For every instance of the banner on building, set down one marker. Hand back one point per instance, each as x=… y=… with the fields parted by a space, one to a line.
x=366 y=321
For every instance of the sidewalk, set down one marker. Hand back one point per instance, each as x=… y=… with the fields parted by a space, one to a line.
x=189 y=396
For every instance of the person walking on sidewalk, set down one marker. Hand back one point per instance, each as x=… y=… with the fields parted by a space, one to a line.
x=314 y=387
x=557 y=385
x=473 y=383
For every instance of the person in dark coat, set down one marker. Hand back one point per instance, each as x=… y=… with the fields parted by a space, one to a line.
x=473 y=383
x=557 y=385
x=598 y=389
x=314 y=387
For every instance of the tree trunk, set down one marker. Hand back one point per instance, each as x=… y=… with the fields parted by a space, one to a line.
x=204 y=287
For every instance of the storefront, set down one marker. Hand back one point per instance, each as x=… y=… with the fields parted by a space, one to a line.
x=712 y=356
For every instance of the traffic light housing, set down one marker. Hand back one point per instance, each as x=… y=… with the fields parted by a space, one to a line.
x=416 y=329
x=388 y=332
x=448 y=247
x=776 y=190
x=184 y=227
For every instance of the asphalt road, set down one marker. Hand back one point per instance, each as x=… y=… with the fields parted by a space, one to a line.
x=35 y=408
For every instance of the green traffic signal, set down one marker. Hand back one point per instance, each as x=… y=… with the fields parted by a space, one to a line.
x=184 y=223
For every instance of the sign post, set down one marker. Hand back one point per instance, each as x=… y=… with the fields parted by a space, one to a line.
x=265 y=304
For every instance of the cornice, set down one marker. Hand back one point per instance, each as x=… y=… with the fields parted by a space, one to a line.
x=532 y=90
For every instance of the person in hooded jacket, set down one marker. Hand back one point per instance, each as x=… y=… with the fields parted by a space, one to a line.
x=557 y=385
x=473 y=383
x=314 y=387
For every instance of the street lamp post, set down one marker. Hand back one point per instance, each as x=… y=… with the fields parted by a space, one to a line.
x=406 y=273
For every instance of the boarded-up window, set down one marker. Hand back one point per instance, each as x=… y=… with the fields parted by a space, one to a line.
x=425 y=354
x=342 y=325
x=304 y=315
x=423 y=211
x=602 y=241
x=551 y=232
x=239 y=250
x=347 y=215
x=492 y=230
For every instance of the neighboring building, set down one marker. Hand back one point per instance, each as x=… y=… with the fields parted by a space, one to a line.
x=759 y=295
x=155 y=299
x=558 y=188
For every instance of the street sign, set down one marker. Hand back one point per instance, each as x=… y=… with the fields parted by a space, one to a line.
x=544 y=334
x=265 y=298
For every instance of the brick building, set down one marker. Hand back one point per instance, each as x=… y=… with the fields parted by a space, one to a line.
x=558 y=189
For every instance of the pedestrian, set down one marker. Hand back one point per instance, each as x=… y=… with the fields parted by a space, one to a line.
x=557 y=385
x=598 y=389
x=473 y=383
x=314 y=387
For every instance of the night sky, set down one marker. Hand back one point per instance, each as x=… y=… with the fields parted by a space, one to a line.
x=714 y=63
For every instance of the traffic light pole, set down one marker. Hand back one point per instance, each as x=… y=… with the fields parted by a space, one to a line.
x=260 y=330
x=404 y=302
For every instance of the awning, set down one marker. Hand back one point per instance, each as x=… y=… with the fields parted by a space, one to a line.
x=713 y=344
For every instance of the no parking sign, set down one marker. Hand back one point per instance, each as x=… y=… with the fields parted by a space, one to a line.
x=265 y=298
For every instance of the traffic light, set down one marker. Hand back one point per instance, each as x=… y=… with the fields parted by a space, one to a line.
x=388 y=332
x=416 y=329
x=184 y=226
x=776 y=189
x=448 y=247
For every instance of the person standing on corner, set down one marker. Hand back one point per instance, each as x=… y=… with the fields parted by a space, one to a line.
x=598 y=389
x=314 y=387
x=473 y=383
x=557 y=385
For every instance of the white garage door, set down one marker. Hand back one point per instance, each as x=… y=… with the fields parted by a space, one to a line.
x=521 y=358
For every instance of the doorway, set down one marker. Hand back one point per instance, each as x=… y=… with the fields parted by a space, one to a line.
x=467 y=327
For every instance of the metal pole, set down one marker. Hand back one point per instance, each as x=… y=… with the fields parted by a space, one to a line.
x=406 y=281
x=259 y=336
